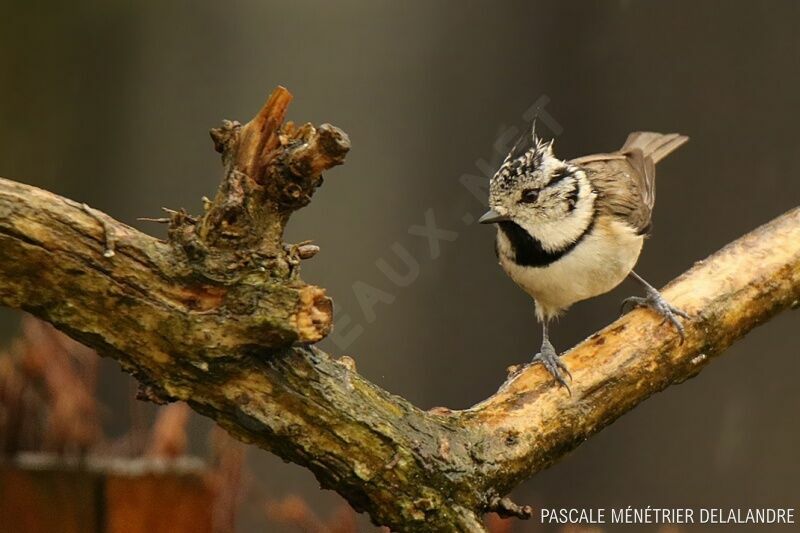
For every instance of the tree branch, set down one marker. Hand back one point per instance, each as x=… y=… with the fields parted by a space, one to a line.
x=218 y=317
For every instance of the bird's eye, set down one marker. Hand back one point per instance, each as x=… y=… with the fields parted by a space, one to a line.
x=529 y=196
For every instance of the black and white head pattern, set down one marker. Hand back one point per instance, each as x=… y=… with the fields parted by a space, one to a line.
x=528 y=170
x=545 y=199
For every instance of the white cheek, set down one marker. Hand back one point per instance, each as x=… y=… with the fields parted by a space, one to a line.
x=504 y=245
x=556 y=229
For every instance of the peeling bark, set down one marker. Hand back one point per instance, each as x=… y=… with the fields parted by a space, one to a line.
x=218 y=317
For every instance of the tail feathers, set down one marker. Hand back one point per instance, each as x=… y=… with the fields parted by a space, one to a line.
x=655 y=146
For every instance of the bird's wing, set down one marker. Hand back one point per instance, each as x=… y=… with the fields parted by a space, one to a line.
x=580 y=161
x=621 y=186
x=645 y=149
x=626 y=179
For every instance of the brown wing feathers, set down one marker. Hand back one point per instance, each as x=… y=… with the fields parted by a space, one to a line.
x=626 y=179
x=646 y=148
x=656 y=146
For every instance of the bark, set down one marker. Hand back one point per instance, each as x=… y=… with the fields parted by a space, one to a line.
x=217 y=316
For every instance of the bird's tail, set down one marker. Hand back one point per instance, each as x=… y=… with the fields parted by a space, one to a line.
x=655 y=146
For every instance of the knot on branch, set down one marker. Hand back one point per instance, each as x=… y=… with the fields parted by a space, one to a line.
x=271 y=169
x=225 y=137
x=505 y=508
x=313 y=317
x=297 y=170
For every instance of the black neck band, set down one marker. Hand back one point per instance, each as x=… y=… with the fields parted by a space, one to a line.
x=528 y=250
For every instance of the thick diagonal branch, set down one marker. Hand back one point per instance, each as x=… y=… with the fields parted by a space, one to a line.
x=221 y=326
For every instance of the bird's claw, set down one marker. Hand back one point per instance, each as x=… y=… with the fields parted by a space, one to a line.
x=553 y=363
x=657 y=303
x=632 y=301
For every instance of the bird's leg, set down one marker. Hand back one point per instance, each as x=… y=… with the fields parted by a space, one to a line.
x=656 y=302
x=549 y=358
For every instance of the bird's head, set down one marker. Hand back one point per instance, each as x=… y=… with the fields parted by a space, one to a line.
x=539 y=192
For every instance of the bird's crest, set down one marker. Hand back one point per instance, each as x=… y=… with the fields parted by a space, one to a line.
x=524 y=159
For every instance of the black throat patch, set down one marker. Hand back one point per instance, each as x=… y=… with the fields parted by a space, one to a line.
x=528 y=250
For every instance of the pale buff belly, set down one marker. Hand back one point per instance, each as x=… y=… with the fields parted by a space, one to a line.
x=597 y=265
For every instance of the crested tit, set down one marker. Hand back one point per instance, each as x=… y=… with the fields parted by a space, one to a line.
x=571 y=230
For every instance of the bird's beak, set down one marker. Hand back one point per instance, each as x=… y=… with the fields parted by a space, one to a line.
x=492 y=216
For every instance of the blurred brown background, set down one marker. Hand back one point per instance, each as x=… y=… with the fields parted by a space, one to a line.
x=109 y=103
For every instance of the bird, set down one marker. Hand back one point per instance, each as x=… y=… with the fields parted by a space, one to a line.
x=572 y=230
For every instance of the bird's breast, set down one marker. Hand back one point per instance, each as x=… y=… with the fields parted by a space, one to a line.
x=597 y=264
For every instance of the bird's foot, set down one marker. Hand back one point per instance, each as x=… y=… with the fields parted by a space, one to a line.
x=657 y=303
x=553 y=363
